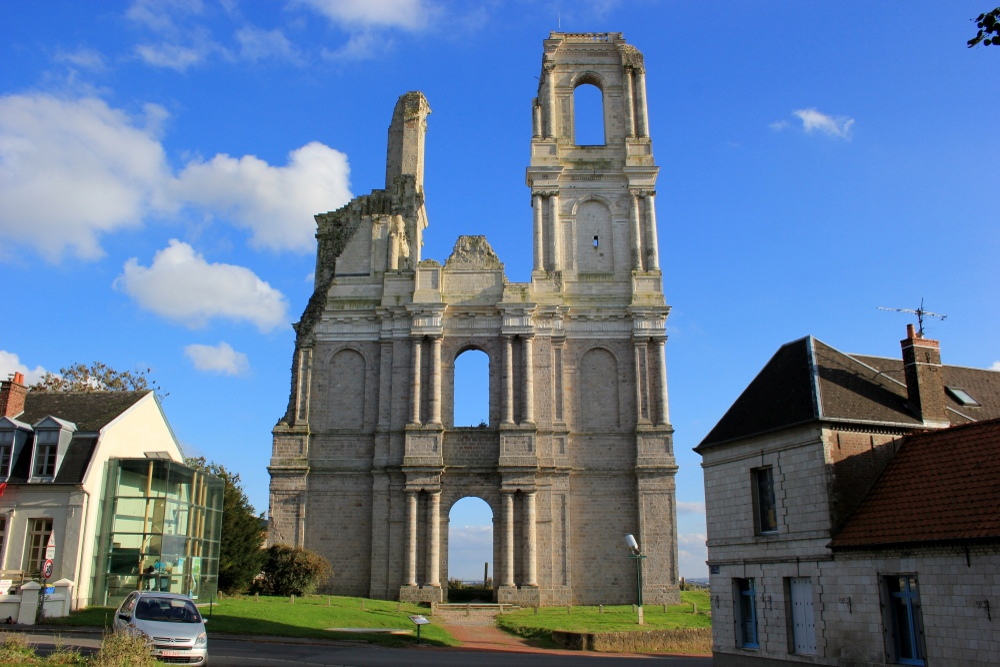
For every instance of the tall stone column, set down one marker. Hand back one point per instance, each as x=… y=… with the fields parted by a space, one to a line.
x=537 y=212
x=661 y=367
x=385 y=384
x=557 y=259
x=411 y=538
x=508 y=380
x=653 y=251
x=435 y=406
x=529 y=382
x=640 y=104
x=508 y=540
x=531 y=547
x=536 y=120
x=641 y=389
x=629 y=103
x=550 y=102
x=434 y=540
x=635 y=223
x=415 y=388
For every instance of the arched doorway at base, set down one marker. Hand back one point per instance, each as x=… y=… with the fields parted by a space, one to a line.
x=470 y=551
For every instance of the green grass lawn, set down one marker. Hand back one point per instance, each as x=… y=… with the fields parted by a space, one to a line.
x=526 y=623
x=309 y=616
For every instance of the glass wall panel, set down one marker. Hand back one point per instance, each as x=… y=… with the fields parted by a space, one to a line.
x=160 y=530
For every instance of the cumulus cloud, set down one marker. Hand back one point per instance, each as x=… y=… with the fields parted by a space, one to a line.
x=74 y=169
x=181 y=286
x=995 y=366
x=406 y=14
x=277 y=204
x=10 y=363
x=817 y=121
x=180 y=40
x=221 y=358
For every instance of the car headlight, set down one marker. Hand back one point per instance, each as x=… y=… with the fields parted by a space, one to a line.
x=202 y=640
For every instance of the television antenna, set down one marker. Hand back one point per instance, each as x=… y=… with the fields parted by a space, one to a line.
x=920 y=312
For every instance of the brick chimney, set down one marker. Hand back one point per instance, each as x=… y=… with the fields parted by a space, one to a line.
x=12 y=393
x=924 y=378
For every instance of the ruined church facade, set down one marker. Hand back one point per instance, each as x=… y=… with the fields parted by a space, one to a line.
x=577 y=451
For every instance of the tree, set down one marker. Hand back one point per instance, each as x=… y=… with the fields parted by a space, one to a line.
x=292 y=571
x=241 y=553
x=97 y=376
x=989 y=29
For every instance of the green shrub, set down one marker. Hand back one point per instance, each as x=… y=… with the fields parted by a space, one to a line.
x=121 y=649
x=292 y=571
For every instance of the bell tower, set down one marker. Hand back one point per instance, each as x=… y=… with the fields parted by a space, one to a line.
x=594 y=213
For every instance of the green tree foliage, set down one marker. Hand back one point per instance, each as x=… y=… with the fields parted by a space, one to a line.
x=241 y=554
x=292 y=571
x=989 y=29
x=97 y=376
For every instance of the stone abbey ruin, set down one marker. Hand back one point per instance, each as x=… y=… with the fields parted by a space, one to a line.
x=367 y=462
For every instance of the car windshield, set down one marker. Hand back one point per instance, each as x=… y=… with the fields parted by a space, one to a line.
x=167 y=609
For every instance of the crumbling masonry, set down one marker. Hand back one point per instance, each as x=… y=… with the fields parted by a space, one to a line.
x=578 y=451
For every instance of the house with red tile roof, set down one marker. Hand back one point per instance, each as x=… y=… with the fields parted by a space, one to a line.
x=853 y=508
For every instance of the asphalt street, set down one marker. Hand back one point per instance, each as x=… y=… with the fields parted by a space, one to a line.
x=232 y=652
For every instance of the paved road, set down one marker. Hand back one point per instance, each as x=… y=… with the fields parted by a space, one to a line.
x=236 y=652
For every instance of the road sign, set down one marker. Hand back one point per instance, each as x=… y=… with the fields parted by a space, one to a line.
x=50 y=550
x=47 y=568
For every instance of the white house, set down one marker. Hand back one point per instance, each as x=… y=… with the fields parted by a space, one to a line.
x=99 y=472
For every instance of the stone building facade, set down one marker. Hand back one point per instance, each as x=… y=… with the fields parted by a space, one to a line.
x=577 y=451
x=852 y=506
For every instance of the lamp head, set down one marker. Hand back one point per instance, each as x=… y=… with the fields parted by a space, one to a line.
x=632 y=544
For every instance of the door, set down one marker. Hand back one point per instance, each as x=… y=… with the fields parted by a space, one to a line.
x=803 y=625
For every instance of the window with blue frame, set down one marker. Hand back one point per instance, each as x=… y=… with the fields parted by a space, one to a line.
x=904 y=622
x=746 y=613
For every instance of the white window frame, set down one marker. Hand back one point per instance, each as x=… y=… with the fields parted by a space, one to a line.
x=50 y=450
x=7 y=439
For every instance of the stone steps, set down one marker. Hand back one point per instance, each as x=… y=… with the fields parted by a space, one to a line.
x=482 y=615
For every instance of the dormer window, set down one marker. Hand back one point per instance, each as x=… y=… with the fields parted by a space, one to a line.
x=52 y=438
x=6 y=452
x=46 y=448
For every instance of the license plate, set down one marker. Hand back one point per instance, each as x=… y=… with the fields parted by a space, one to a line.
x=173 y=654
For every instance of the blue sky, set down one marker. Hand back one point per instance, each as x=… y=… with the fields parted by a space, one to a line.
x=160 y=164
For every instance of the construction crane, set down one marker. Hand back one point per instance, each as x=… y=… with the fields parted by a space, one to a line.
x=920 y=312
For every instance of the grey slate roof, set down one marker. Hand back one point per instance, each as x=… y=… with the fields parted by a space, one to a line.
x=89 y=410
x=807 y=380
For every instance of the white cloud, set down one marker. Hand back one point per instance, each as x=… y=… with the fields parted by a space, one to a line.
x=71 y=170
x=813 y=120
x=779 y=125
x=687 y=507
x=258 y=44
x=85 y=58
x=406 y=14
x=172 y=56
x=276 y=203
x=692 y=552
x=181 y=286
x=221 y=358
x=74 y=169
x=10 y=363
x=995 y=366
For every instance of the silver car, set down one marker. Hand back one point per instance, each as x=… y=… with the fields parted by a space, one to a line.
x=174 y=627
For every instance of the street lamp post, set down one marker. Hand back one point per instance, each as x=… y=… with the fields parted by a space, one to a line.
x=638 y=556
